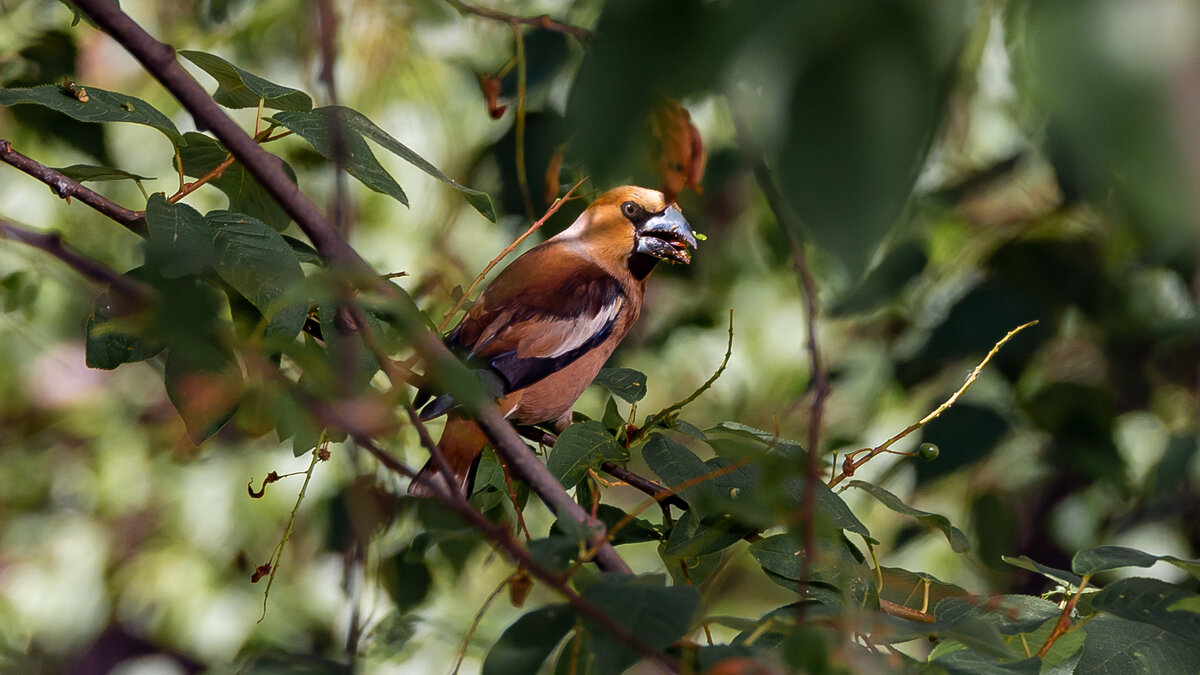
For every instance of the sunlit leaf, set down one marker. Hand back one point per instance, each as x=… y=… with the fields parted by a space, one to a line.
x=1103 y=558
x=958 y=540
x=101 y=106
x=240 y=89
x=1063 y=577
x=324 y=127
x=85 y=172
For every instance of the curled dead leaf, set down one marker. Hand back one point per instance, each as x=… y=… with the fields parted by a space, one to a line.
x=491 y=94
x=681 y=159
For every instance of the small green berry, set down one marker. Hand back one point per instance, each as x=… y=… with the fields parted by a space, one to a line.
x=927 y=451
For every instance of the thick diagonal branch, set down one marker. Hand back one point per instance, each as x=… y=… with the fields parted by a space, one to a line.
x=159 y=60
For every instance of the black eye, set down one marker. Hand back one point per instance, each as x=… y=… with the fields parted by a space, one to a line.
x=631 y=210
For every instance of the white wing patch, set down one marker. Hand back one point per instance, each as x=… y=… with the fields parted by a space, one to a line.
x=555 y=337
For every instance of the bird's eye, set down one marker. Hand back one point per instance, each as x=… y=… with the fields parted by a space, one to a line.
x=631 y=210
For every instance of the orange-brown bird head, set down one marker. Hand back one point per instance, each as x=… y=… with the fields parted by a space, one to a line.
x=632 y=228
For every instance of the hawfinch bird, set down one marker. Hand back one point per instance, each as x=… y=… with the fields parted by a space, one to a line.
x=547 y=323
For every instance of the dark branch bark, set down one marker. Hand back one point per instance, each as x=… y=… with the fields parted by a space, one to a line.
x=159 y=60
x=66 y=188
x=88 y=267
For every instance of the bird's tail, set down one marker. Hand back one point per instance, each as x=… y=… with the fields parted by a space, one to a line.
x=462 y=444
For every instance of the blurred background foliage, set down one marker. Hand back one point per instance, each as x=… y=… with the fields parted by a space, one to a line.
x=961 y=168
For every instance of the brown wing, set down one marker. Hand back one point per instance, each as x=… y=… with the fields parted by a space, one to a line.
x=542 y=313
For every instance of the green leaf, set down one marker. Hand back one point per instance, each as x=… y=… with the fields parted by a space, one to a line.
x=1116 y=646
x=240 y=89
x=19 y=290
x=406 y=577
x=1150 y=601
x=524 y=646
x=1103 y=558
x=693 y=571
x=1011 y=614
x=477 y=199
x=256 y=261
x=1188 y=604
x=582 y=446
x=690 y=538
x=907 y=588
x=180 y=242
x=747 y=432
x=637 y=531
x=967 y=662
x=305 y=253
x=101 y=106
x=626 y=383
x=675 y=465
x=112 y=339
x=204 y=383
x=833 y=564
x=318 y=128
x=202 y=154
x=80 y=15
x=832 y=505
x=1063 y=577
x=658 y=615
x=83 y=173
x=876 y=89
x=958 y=540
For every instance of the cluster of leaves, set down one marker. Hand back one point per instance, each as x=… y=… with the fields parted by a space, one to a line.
x=233 y=261
x=848 y=604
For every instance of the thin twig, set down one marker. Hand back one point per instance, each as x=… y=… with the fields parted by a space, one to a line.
x=277 y=553
x=888 y=607
x=679 y=405
x=522 y=177
x=1064 y=620
x=504 y=254
x=543 y=21
x=67 y=188
x=850 y=465
x=88 y=267
x=466 y=643
x=159 y=60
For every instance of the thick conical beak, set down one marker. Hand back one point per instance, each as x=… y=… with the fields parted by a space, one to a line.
x=667 y=236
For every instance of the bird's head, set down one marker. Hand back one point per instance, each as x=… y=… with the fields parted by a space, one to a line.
x=633 y=227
